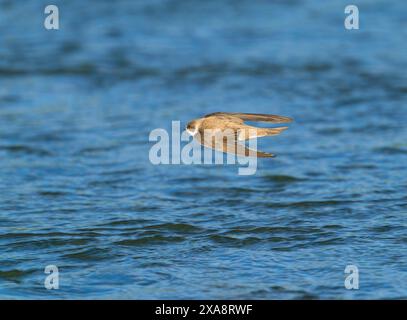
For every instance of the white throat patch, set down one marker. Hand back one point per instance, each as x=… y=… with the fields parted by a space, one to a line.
x=192 y=133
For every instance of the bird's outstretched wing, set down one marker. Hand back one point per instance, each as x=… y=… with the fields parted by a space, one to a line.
x=229 y=144
x=251 y=117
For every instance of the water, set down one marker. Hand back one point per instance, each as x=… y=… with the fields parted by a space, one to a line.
x=78 y=190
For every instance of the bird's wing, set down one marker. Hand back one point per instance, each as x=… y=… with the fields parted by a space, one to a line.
x=251 y=117
x=229 y=144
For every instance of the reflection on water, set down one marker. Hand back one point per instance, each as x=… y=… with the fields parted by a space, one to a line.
x=78 y=191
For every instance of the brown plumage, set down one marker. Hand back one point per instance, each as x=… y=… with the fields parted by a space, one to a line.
x=222 y=131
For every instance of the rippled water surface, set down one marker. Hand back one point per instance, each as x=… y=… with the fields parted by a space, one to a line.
x=77 y=189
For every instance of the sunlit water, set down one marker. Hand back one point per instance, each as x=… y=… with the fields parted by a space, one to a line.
x=77 y=189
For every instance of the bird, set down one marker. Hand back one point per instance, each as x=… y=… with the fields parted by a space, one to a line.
x=233 y=129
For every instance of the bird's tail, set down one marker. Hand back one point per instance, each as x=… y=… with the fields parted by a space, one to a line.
x=254 y=132
x=262 y=132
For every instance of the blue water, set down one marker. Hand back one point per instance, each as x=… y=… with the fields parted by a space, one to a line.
x=77 y=189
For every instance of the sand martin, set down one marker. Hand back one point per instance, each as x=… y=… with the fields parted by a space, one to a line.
x=233 y=129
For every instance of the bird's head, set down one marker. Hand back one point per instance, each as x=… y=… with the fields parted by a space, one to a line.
x=192 y=127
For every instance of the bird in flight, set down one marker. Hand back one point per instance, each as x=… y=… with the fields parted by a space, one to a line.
x=222 y=131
